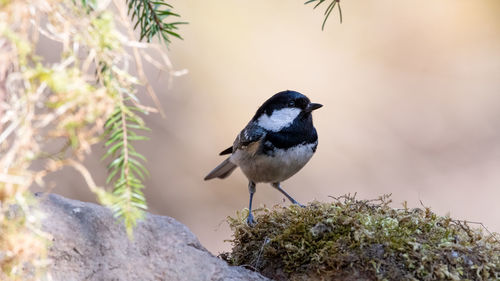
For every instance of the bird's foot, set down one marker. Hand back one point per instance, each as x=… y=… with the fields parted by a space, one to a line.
x=297 y=203
x=250 y=221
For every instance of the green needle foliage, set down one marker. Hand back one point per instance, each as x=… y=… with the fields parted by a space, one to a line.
x=126 y=170
x=88 y=94
x=151 y=16
x=328 y=10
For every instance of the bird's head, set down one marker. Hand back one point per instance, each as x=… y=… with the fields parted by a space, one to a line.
x=280 y=110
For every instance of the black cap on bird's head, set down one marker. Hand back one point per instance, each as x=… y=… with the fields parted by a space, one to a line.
x=286 y=99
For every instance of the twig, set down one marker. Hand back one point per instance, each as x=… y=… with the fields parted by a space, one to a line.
x=487 y=230
x=84 y=172
x=137 y=58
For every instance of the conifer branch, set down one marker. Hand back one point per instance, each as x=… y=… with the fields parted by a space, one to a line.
x=150 y=16
x=328 y=10
x=125 y=169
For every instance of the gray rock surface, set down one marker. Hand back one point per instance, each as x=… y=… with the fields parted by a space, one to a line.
x=89 y=244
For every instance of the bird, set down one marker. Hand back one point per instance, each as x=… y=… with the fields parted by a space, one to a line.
x=277 y=142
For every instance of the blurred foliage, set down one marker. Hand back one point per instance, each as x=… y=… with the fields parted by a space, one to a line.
x=362 y=240
x=52 y=113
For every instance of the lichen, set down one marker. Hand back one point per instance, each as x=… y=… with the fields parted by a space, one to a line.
x=351 y=239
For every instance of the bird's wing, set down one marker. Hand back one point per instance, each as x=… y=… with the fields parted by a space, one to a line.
x=250 y=138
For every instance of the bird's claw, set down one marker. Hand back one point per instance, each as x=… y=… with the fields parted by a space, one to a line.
x=297 y=203
x=250 y=221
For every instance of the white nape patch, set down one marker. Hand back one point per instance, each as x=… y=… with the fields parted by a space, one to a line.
x=279 y=119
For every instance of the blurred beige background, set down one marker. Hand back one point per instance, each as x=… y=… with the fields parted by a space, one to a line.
x=412 y=107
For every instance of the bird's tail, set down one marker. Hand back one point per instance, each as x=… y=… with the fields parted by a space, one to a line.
x=222 y=171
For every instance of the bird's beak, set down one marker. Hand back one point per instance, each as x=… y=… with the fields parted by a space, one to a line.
x=313 y=106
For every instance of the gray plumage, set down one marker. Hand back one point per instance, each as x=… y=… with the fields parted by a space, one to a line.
x=222 y=171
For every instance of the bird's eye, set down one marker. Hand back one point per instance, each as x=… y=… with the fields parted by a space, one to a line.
x=291 y=103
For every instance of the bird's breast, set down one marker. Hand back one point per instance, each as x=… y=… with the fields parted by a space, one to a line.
x=274 y=165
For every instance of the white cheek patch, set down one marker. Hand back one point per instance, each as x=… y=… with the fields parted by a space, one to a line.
x=279 y=119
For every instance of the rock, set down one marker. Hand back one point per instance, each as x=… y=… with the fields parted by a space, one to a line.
x=89 y=244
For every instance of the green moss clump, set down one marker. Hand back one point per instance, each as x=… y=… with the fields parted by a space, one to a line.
x=362 y=240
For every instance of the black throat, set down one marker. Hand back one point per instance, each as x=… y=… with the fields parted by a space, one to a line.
x=301 y=131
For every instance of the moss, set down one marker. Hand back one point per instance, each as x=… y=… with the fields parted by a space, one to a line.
x=350 y=239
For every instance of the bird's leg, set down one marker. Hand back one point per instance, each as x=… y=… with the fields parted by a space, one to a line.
x=251 y=190
x=278 y=187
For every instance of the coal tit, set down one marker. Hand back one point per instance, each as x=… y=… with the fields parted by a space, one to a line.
x=278 y=141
